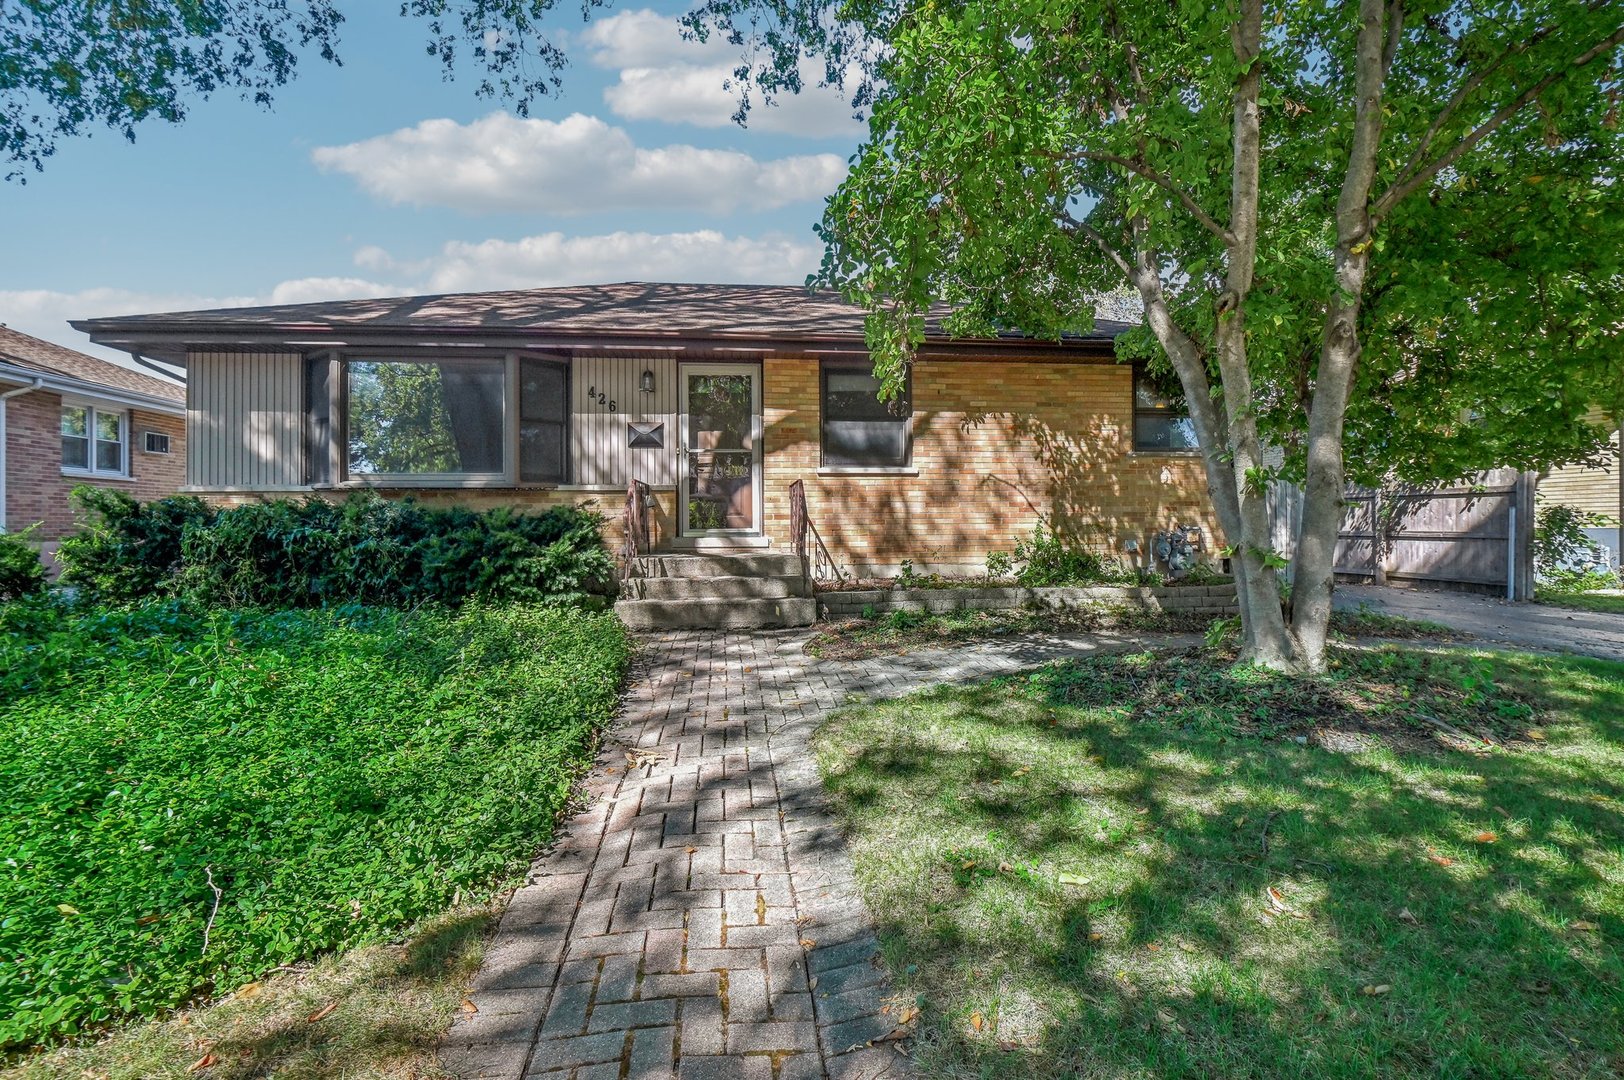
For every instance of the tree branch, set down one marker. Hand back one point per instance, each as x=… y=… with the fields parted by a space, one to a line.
x=1407 y=185
x=1161 y=180
x=1087 y=230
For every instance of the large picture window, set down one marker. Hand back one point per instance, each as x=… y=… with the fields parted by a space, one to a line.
x=94 y=441
x=1160 y=422
x=426 y=419
x=859 y=430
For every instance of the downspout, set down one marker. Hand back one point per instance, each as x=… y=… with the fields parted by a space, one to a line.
x=5 y=398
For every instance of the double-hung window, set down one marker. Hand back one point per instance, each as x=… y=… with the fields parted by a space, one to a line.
x=444 y=421
x=860 y=431
x=1160 y=422
x=95 y=442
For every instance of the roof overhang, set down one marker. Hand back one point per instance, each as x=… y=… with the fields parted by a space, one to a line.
x=171 y=343
x=64 y=384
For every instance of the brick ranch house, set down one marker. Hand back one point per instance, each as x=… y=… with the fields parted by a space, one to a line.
x=718 y=397
x=68 y=419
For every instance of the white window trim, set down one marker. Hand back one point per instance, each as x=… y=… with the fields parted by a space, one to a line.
x=91 y=472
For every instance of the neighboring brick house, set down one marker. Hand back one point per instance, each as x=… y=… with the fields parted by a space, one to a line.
x=68 y=419
x=718 y=397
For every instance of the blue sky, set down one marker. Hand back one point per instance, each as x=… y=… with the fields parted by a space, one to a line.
x=379 y=177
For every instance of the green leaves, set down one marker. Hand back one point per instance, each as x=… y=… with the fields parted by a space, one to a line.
x=337 y=774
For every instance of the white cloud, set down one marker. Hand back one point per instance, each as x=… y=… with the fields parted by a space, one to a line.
x=664 y=77
x=570 y=166
x=556 y=259
x=312 y=289
x=44 y=313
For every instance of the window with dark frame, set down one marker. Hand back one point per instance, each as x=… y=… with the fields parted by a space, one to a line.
x=1160 y=422
x=543 y=421
x=859 y=430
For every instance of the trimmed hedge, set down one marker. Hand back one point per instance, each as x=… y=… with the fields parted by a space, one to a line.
x=336 y=774
x=21 y=572
x=313 y=553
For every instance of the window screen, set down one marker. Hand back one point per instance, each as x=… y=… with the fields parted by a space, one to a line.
x=425 y=418
x=543 y=416
x=1160 y=422
x=860 y=430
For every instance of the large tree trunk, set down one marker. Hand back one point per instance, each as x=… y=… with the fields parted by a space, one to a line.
x=1339 y=348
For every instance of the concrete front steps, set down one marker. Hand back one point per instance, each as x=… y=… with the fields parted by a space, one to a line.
x=740 y=590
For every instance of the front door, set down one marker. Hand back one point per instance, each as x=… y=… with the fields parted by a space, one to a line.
x=721 y=450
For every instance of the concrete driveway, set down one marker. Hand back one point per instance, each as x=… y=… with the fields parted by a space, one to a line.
x=1528 y=626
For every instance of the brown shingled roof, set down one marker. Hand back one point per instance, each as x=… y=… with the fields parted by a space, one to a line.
x=47 y=358
x=674 y=309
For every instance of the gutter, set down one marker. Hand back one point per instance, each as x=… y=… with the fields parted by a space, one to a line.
x=82 y=388
x=37 y=384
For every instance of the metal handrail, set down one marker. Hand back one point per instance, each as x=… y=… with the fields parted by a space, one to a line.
x=635 y=544
x=816 y=562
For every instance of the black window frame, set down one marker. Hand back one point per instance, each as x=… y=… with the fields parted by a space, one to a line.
x=904 y=418
x=1168 y=410
x=566 y=375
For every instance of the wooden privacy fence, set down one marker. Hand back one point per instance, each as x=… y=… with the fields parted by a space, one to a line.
x=1477 y=536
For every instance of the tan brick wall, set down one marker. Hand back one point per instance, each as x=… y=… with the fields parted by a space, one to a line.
x=998 y=445
x=36 y=489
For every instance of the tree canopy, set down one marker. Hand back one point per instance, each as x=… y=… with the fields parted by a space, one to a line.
x=69 y=66
x=1382 y=236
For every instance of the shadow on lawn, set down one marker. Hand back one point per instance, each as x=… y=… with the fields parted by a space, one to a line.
x=1199 y=973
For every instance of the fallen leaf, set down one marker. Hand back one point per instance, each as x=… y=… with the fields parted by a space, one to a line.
x=1153 y=947
x=807 y=943
x=968 y=864
x=1185 y=946
x=147 y=920
x=1485 y=837
x=1022 y=771
x=67 y=909
x=977 y=1021
x=468 y=1005
x=1537 y=734
x=1096 y=936
x=908 y=1015
x=248 y=991
x=692 y=850
x=1277 y=899
x=1583 y=924
x=1004 y=868
x=1073 y=879
x=1377 y=990
x=202 y=1063
x=1441 y=860
x=322 y=1013
x=1406 y=915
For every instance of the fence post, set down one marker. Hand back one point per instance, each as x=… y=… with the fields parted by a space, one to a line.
x=1511 y=551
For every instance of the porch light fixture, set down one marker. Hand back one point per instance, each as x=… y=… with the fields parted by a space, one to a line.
x=646 y=384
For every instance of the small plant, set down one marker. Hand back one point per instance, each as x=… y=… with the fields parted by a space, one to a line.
x=870 y=613
x=906 y=577
x=1220 y=632
x=1047 y=560
x=21 y=572
x=1566 y=560
x=1000 y=564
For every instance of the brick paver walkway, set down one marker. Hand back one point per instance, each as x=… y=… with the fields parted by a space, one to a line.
x=699 y=919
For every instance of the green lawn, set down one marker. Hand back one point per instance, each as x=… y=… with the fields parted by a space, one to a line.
x=1578 y=601
x=1132 y=867
x=188 y=800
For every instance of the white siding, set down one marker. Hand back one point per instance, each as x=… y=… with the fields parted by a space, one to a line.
x=599 y=439
x=244 y=420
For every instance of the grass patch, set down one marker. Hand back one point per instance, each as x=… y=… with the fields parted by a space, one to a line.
x=336 y=775
x=390 y=1004
x=1607 y=603
x=1366 y=622
x=1131 y=867
x=902 y=631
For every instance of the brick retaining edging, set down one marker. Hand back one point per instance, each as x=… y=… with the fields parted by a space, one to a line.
x=1215 y=600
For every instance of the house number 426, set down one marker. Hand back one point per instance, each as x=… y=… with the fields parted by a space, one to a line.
x=594 y=394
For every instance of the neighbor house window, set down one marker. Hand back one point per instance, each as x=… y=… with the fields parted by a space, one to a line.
x=859 y=430
x=94 y=441
x=426 y=419
x=1160 y=422
x=442 y=421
